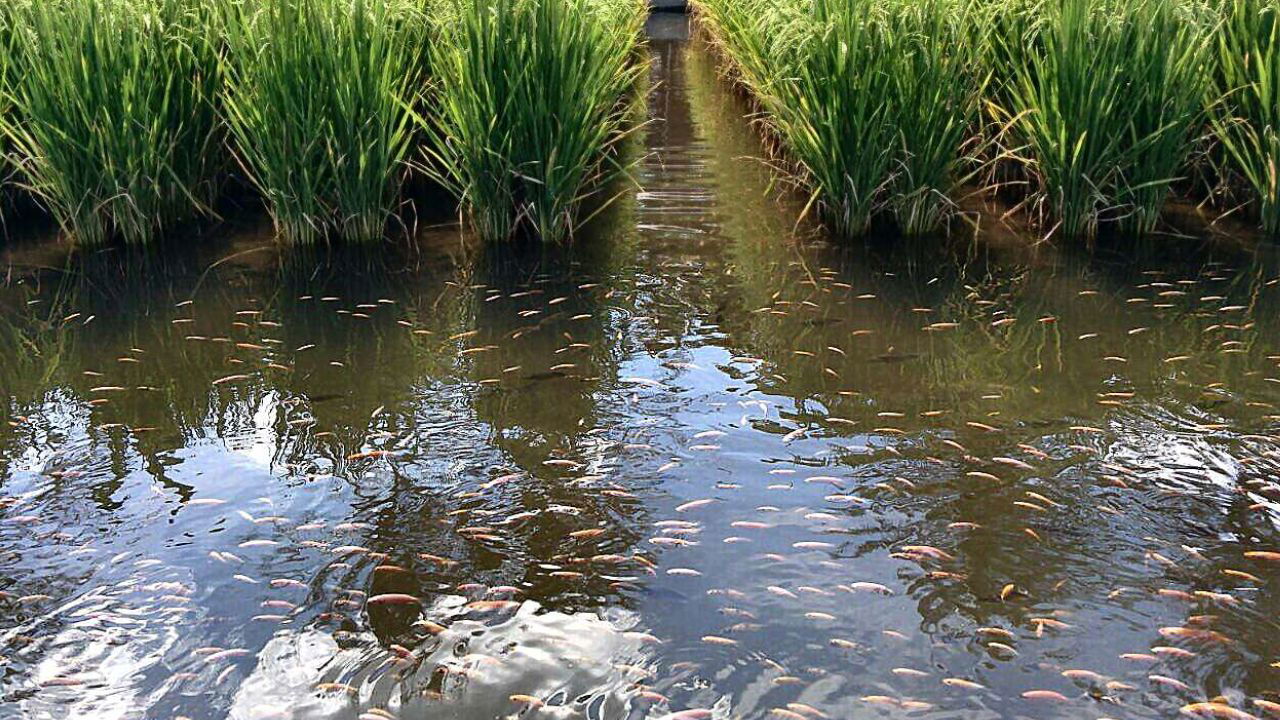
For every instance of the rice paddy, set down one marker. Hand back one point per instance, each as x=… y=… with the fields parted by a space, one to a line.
x=1086 y=114
x=1246 y=109
x=529 y=108
x=873 y=101
x=124 y=118
x=319 y=102
x=111 y=113
x=707 y=462
x=1103 y=103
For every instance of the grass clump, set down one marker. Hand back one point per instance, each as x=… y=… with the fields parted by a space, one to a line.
x=8 y=71
x=939 y=93
x=110 y=113
x=1246 y=112
x=318 y=102
x=529 y=107
x=1095 y=105
x=873 y=101
x=1103 y=100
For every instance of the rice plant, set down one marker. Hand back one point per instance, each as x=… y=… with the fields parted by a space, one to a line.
x=873 y=101
x=1102 y=101
x=1167 y=114
x=111 y=120
x=8 y=71
x=1246 y=110
x=1007 y=32
x=938 y=96
x=319 y=103
x=834 y=108
x=529 y=107
x=743 y=32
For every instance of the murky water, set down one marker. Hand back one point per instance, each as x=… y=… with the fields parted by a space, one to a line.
x=705 y=461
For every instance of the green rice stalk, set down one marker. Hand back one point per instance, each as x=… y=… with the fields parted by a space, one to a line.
x=1103 y=103
x=745 y=31
x=1005 y=32
x=1245 y=113
x=529 y=108
x=1166 y=108
x=938 y=99
x=834 y=107
x=318 y=102
x=873 y=101
x=8 y=71
x=112 y=117
x=1066 y=105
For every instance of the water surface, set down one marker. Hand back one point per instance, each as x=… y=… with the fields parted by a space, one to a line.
x=706 y=460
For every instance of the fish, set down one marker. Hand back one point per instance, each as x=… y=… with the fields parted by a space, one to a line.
x=927 y=551
x=962 y=683
x=227 y=653
x=1171 y=682
x=287 y=582
x=1272 y=708
x=393 y=599
x=691 y=714
x=806 y=710
x=1216 y=710
x=1194 y=634
x=863 y=586
x=491 y=605
x=230 y=378
x=1013 y=462
x=1044 y=695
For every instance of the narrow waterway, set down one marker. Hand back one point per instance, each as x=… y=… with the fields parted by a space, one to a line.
x=705 y=464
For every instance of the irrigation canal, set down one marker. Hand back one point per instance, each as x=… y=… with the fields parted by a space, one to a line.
x=706 y=465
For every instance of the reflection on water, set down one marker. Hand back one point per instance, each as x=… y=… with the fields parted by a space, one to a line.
x=703 y=465
x=565 y=665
